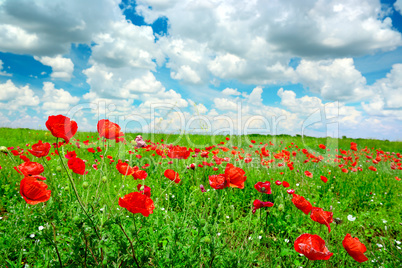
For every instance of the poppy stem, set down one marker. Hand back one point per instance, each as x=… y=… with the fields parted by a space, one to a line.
x=131 y=245
x=76 y=192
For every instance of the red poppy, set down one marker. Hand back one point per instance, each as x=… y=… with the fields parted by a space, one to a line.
x=77 y=165
x=355 y=248
x=34 y=191
x=324 y=179
x=308 y=174
x=353 y=146
x=142 y=175
x=278 y=182
x=172 y=175
x=40 y=149
x=322 y=217
x=202 y=188
x=235 y=176
x=372 y=168
x=61 y=127
x=178 y=152
x=71 y=155
x=144 y=190
x=313 y=247
x=322 y=146
x=218 y=181
x=290 y=191
x=30 y=168
x=124 y=168
x=285 y=184
x=263 y=187
x=301 y=203
x=260 y=204
x=137 y=203
x=109 y=130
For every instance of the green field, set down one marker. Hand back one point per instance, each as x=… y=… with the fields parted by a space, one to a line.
x=191 y=228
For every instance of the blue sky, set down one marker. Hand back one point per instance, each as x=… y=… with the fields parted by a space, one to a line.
x=205 y=66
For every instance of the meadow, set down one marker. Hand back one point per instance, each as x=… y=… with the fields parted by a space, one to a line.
x=197 y=219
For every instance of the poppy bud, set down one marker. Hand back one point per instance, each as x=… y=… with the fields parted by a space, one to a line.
x=66 y=189
x=281 y=207
x=58 y=168
x=104 y=179
x=142 y=188
x=3 y=149
x=85 y=185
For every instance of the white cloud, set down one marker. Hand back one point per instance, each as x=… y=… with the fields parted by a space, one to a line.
x=304 y=105
x=46 y=28
x=57 y=101
x=3 y=73
x=336 y=80
x=253 y=41
x=13 y=98
x=230 y=91
x=125 y=44
x=62 y=67
x=398 y=6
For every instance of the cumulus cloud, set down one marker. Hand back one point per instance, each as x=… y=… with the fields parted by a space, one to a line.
x=62 y=68
x=398 y=6
x=3 y=73
x=336 y=80
x=253 y=41
x=57 y=101
x=46 y=28
x=14 y=98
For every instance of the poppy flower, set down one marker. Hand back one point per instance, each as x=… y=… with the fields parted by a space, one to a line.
x=218 y=181
x=301 y=203
x=61 y=127
x=71 y=155
x=141 y=175
x=353 y=146
x=77 y=165
x=30 y=168
x=324 y=179
x=322 y=217
x=109 y=130
x=285 y=184
x=172 y=175
x=235 y=176
x=124 y=168
x=322 y=146
x=313 y=247
x=137 y=203
x=308 y=174
x=40 y=149
x=263 y=187
x=178 y=152
x=354 y=248
x=278 y=182
x=372 y=168
x=290 y=191
x=257 y=204
x=144 y=190
x=34 y=191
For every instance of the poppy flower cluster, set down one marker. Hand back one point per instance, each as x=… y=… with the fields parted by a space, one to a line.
x=233 y=177
x=137 y=202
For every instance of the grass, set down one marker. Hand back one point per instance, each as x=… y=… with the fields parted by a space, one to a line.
x=189 y=228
